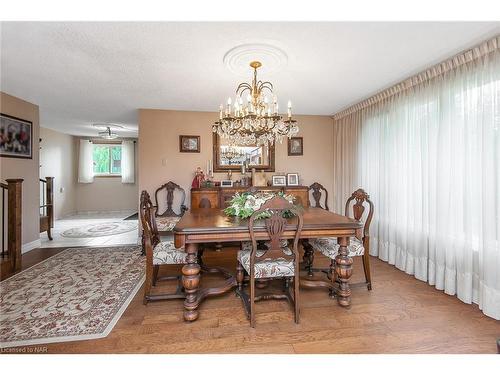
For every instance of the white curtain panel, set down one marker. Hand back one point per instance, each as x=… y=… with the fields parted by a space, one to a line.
x=128 y=162
x=85 y=162
x=430 y=159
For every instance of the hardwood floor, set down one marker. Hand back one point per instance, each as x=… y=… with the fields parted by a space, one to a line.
x=400 y=315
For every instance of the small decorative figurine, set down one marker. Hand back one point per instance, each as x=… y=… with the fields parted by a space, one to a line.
x=198 y=178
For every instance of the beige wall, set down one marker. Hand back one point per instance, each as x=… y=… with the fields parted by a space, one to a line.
x=57 y=159
x=160 y=159
x=28 y=169
x=105 y=193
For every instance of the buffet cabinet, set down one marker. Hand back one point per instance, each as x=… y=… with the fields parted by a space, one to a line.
x=219 y=197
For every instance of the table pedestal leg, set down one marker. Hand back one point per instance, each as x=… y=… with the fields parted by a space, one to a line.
x=343 y=268
x=191 y=282
x=308 y=257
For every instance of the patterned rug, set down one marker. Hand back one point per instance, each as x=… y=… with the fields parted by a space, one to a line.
x=78 y=294
x=100 y=230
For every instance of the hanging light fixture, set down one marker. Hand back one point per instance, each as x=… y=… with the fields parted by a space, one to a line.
x=108 y=134
x=254 y=118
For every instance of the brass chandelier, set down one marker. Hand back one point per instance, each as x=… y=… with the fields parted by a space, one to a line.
x=254 y=120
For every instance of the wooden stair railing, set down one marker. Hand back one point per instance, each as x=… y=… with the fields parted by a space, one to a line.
x=12 y=209
x=47 y=206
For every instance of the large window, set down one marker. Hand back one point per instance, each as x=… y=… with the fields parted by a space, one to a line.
x=429 y=158
x=107 y=159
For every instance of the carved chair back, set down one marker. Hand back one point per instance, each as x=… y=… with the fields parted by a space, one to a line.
x=275 y=226
x=358 y=209
x=317 y=192
x=151 y=236
x=170 y=188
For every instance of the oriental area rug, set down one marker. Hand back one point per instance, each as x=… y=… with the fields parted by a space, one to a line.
x=78 y=294
x=100 y=230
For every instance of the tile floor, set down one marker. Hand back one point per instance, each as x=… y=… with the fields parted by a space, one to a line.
x=81 y=219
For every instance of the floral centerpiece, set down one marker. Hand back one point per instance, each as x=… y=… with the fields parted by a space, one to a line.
x=245 y=204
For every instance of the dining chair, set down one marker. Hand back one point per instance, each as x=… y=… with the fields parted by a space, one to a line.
x=166 y=220
x=158 y=253
x=317 y=191
x=329 y=247
x=272 y=261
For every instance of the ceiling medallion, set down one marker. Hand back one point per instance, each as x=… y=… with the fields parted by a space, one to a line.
x=272 y=58
x=254 y=118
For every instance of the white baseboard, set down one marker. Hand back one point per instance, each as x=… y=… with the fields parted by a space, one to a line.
x=30 y=246
x=119 y=212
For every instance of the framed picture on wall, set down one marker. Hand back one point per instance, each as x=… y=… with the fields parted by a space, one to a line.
x=16 y=137
x=295 y=146
x=189 y=143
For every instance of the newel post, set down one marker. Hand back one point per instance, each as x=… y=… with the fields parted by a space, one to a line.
x=14 y=226
x=50 y=200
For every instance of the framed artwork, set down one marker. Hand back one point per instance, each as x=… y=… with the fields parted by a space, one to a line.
x=16 y=137
x=292 y=179
x=189 y=143
x=295 y=146
x=279 y=180
x=226 y=183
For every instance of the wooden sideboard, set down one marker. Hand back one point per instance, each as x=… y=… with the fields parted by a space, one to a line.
x=219 y=197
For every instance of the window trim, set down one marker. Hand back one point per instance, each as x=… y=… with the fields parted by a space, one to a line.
x=108 y=145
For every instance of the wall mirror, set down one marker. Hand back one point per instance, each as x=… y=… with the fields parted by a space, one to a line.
x=228 y=156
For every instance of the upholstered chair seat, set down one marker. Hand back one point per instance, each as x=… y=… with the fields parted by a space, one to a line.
x=329 y=247
x=268 y=267
x=166 y=224
x=166 y=253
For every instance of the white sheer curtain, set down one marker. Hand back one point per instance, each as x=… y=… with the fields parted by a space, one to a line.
x=128 y=162
x=85 y=162
x=429 y=157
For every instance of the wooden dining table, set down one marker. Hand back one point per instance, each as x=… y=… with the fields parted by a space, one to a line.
x=211 y=225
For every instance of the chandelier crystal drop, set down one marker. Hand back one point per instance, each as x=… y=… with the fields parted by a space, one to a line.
x=253 y=117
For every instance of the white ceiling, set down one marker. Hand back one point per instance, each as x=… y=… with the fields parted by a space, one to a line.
x=80 y=73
